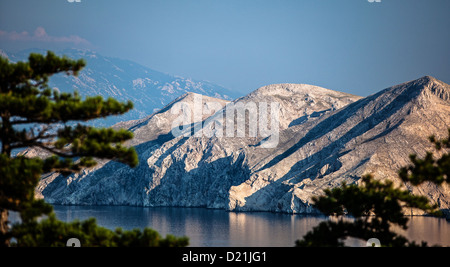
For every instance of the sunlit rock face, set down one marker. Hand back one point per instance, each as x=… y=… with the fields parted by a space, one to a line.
x=324 y=138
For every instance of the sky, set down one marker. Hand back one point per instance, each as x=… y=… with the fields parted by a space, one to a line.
x=353 y=46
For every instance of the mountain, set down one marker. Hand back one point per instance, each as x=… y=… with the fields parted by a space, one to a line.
x=150 y=133
x=373 y=135
x=157 y=147
x=124 y=80
x=325 y=138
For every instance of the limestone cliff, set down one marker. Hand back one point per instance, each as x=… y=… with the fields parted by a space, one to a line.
x=325 y=138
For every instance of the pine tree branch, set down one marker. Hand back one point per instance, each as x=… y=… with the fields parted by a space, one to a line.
x=28 y=139
x=56 y=152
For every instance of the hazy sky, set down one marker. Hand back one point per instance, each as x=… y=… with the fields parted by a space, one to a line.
x=347 y=45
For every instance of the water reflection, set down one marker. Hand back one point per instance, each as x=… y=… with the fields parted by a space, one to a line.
x=206 y=227
x=268 y=229
x=431 y=230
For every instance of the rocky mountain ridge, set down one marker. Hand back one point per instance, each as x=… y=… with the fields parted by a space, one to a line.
x=325 y=138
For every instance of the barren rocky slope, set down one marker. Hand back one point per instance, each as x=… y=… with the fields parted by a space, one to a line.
x=124 y=80
x=326 y=137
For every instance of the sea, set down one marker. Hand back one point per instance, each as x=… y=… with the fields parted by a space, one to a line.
x=220 y=228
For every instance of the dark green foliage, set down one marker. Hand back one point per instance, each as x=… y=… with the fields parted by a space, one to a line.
x=429 y=169
x=333 y=234
x=34 y=115
x=51 y=232
x=376 y=206
x=26 y=100
x=18 y=179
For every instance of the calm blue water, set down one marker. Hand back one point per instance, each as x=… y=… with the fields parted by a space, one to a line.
x=210 y=228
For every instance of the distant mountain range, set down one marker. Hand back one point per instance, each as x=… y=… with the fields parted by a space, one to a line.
x=325 y=138
x=124 y=80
